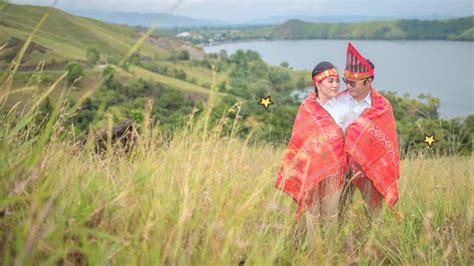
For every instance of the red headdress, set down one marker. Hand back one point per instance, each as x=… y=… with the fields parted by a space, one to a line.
x=357 y=67
x=331 y=72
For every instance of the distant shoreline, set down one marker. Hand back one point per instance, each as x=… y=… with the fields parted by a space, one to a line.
x=277 y=40
x=460 y=29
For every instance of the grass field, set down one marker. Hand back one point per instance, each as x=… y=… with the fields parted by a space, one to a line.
x=175 y=83
x=205 y=199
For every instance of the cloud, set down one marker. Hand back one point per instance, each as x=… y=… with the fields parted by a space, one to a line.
x=241 y=10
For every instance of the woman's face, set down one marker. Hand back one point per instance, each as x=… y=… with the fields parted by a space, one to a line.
x=328 y=88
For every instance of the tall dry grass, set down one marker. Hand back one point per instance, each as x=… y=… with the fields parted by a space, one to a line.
x=202 y=198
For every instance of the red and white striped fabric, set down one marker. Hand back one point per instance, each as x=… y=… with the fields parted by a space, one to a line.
x=315 y=152
x=371 y=144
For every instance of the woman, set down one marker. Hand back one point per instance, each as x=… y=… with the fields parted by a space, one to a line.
x=313 y=168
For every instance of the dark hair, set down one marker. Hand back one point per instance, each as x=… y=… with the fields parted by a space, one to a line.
x=373 y=66
x=322 y=66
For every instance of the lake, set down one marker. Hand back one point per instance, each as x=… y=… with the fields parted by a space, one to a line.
x=443 y=69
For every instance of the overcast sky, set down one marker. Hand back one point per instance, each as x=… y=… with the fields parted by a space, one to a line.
x=244 y=10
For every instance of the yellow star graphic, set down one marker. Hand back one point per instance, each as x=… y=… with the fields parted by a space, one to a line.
x=265 y=102
x=430 y=140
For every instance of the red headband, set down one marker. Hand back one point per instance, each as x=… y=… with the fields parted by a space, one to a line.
x=332 y=72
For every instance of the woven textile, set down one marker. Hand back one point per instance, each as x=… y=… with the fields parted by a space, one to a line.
x=371 y=145
x=357 y=67
x=315 y=153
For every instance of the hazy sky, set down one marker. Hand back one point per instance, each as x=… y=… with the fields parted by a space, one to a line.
x=243 y=10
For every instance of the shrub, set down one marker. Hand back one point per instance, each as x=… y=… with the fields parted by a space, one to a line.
x=75 y=72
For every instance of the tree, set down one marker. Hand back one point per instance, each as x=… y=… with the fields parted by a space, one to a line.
x=75 y=72
x=135 y=58
x=301 y=83
x=179 y=74
x=93 y=55
x=223 y=55
x=126 y=66
x=184 y=55
x=113 y=59
x=179 y=55
x=108 y=74
x=222 y=86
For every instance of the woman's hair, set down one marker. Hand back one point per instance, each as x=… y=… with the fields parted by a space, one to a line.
x=322 y=66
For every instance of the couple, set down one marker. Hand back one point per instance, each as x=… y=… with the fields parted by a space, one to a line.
x=341 y=141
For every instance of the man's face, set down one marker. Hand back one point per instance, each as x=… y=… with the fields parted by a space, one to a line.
x=357 y=89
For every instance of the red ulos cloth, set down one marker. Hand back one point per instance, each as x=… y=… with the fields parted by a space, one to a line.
x=371 y=144
x=315 y=151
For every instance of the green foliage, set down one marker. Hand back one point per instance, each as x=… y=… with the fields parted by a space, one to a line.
x=179 y=55
x=85 y=115
x=223 y=56
x=113 y=59
x=43 y=114
x=93 y=55
x=108 y=75
x=170 y=107
x=442 y=29
x=222 y=86
x=415 y=119
x=75 y=72
x=137 y=115
x=174 y=72
x=108 y=72
x=411 y=29
x=184 y=55
x=302 y=83
x=135 y=58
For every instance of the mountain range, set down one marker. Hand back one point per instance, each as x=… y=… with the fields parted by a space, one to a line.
x=166 y=20
x=162 y=20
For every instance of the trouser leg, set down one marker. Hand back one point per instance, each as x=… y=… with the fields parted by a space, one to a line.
x=347 y=194
x=312 y=218
x=372 y=198
x=330 y=208
x=326 y=201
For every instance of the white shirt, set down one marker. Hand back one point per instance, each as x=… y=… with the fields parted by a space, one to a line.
x=336 y=109
x=354 y=108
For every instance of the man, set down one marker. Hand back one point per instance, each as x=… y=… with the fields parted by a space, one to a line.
x=370 y=141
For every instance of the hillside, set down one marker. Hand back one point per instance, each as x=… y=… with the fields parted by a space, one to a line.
x=64 y=38
x=67 y=37
x=452 y=29
x=461 y=29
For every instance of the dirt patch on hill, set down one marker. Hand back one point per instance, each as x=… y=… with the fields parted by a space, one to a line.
x=170 y=44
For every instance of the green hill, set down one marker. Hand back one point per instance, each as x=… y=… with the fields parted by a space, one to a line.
x=413 y=29
x=64 y=37
x=461 y=29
